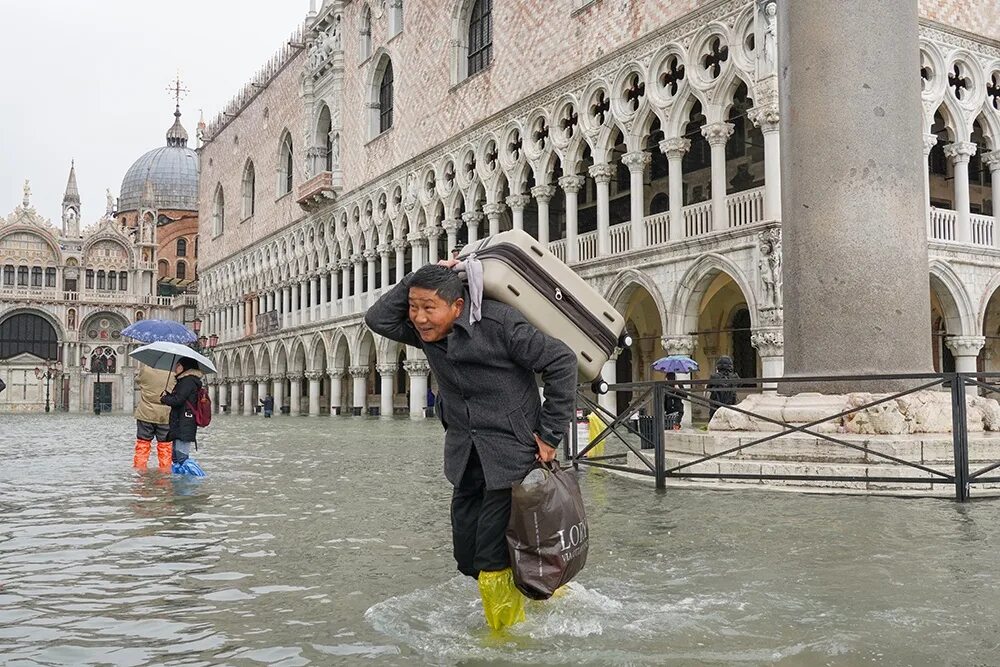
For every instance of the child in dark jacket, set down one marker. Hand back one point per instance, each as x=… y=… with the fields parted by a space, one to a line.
x=183 y=429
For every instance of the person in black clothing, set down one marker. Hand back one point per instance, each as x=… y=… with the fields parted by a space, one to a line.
x=673 y=406
x=267 y=403
x=183 y=429
x=722 y=385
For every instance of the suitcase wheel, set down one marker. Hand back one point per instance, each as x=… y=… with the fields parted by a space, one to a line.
x=599 y=386
x=625 y=340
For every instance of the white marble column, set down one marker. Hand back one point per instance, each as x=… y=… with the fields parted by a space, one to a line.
x=472 y=221
x=295 y=395
x=386 y=373
x=384 y=251
x=370 y=257
x=959 y=154
x=286 y=305
x=345 y=286
x=493 y=213
x=991 y=161
x=248 y=396
x=572 y=185
x=359 y=374
x=278 y=392
x=602 y=175
x=304 y=301
x=609 y=373
x=517 y=204
x=770 y=345
x=966 y=350
x=451 y=226
x=314 y=389
x=324 y=290
x=717 y=135
x=399 y=245
x=433 y=234
x=637 y=162
x=223 y=397
x=768 y=119
x=262 y=384
x=417 y=369
x=336 y=392
x=930 y=140
x=359 y=284
x=543 y=195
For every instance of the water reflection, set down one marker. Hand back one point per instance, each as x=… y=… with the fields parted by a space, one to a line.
x=325 y=541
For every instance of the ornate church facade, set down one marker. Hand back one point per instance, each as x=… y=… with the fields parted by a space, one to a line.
x=66 y=293
x=639 y=140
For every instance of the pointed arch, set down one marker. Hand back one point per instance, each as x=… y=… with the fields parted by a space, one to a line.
x=682 y=317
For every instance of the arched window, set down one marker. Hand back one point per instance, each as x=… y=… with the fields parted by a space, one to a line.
x=181 y=270
x=365 y=49
x=90 y=279
x=112 y=280
x=249 y=189
x=8 y=275
x=28 y=333
x=182 y=247
x=162 y=268
x=480 y=36
x=123 y=281
x=286 y=163
x=36 y=276
x=103 y=359
x=22 y=276
x=385 y=98
x=102 y=280
x=50 y=277
x=71 y=319
x=219 y=214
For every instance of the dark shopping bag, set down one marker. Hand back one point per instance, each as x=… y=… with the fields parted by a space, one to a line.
x=547 y=535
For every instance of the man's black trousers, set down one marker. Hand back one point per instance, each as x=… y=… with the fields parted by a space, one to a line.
x=479 y=522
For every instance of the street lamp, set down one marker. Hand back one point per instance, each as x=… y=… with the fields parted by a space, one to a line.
x=51 y=370
x=196 y=325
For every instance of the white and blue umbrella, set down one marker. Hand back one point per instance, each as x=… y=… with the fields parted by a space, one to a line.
x=675 y=363
x=164 y=355
x=150 y=331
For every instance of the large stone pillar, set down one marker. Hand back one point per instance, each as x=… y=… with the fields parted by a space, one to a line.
x=417 y=369
x=675 y=149
x=543 y=195
x=637 y=163
x=602 y=175
x=717 y=135
x=262 y=384
x=314 y=387
x=223 y=397
x=278 y=392
x=248 y=396
x=359 y=374
x=852 y=191
x=386 y=373
x=572 y=185
x=295 y=395
x=336 y=393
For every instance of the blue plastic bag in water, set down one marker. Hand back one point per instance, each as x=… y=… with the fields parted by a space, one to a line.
x=188 y=467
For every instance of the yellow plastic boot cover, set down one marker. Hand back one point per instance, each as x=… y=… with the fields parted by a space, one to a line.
x=503 y=604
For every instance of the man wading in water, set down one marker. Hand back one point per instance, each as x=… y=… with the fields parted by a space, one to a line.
x=496 y=427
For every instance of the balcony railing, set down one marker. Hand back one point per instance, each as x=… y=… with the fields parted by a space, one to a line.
x=658 y=228
x=982 y=229
x=697 y=219
x=316 y=190
x=944 y=226
x=745 y=207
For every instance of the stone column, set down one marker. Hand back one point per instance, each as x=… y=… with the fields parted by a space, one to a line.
x=304 y=301
x=417 y=369
x=472 y=221
x=493 y=213
x=235 y=401
x=416 y=240
x=314 y=388
x=609 y=373
x=314 y=313
x=335 y=304
x=966 y=351
x=839 y=216
x=278 y=392
x=336 y=395
x=295 y=395
x=602 y=175
x=433 y=234
x=768 y=119
x=717 y=135
x=451 y=226
x=543 y=195
x=213 y=394
x=359 y=282
x=959 y=154
x=572 y=185
x=345 y=286
x=248 y=396
x=517 y=204
x=383 y=253
x=637 y=162
x=242 y=309
x=360 y=376
x=262 y=383
x=399 y=245
x=286 y=305
x=992 y=161
x=683 y=345
x=930 y=140
x=370 y=257
x=324 y=289
x=386 y=373
x=223 y=397
x=770 y=345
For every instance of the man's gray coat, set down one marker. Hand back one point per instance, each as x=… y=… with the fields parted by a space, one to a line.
x=488 y=396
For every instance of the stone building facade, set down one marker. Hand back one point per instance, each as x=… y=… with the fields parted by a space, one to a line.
x=639 y=140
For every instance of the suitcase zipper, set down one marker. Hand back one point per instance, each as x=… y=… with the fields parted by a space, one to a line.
x=521 y=262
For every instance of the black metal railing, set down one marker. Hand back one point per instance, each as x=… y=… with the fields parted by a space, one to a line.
x=648 y=431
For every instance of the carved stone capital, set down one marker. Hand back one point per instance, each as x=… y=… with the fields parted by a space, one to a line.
x=930 y=140
x=472 y=219
x=518 y=202
x=992 y=160
x=675 y=147
x=768 y=342
x=965 y=346
x=960 y=151
x=602 y=173
x=336 y=373
x=679 y=344
x=399 y=244
x=494 y=210
x=572 y=184
x=543 y=193
x=766 y=117
x=358 y=371
x=417 y=367
x=637 y=161
x=433 y=232
x=357 y=258
x=370 y=255
x=451 y=225
x=314 y=376
x=386 y=369
x=717 y=134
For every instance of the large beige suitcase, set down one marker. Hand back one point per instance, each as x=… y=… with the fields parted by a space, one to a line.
x=521 y=272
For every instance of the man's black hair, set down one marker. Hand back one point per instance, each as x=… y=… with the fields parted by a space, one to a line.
x=444 y=281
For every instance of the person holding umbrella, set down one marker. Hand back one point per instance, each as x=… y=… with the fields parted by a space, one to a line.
x=152 y=418
x=673 y=404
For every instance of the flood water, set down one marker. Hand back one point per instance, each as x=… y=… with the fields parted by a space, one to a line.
x=325 y=541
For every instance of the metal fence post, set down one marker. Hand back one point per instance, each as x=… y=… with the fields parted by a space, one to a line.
x=572 y=446
x=660 y=459
x=960 y=437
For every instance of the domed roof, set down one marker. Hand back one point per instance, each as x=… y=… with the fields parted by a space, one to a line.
x=171 y=170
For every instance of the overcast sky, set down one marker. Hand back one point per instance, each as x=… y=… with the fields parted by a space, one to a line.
x=87 y=80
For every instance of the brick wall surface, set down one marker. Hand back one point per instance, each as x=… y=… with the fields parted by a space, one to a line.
x=980 y=17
